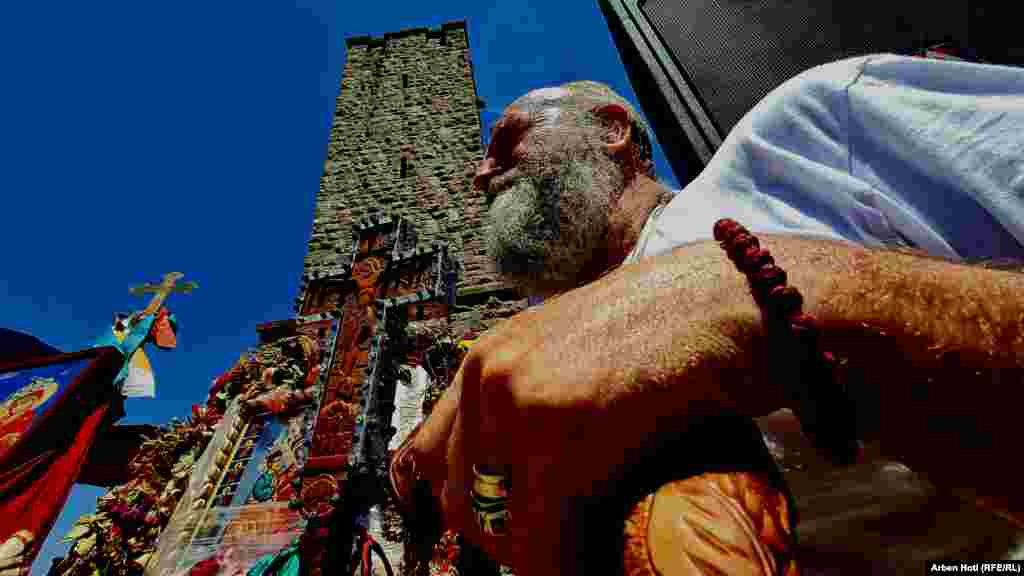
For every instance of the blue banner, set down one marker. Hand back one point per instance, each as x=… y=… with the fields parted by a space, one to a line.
x=26 y=395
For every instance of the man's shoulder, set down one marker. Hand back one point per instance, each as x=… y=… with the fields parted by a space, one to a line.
x=691 y=214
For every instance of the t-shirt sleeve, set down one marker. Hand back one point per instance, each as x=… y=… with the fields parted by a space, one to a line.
x=875 y=150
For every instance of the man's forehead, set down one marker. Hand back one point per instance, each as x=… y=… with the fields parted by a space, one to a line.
x=546 y=94
x=542 y=98
x=545 y=103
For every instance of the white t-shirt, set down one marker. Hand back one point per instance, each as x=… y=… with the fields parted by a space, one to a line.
x=877 y=150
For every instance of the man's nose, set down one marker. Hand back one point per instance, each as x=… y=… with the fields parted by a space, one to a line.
x=485 y=170
x=499 y=156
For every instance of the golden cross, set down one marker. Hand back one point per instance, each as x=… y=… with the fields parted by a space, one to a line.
x=161 y=291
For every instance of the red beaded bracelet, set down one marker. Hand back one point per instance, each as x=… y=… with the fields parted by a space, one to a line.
x=821 y=402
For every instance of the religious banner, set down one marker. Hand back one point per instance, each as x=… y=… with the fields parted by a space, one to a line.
x=28 y=395
x=51 y=411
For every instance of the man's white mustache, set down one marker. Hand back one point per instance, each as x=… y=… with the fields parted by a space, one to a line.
x=502 y=182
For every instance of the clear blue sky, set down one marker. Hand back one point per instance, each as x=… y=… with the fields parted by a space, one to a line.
x=139 y=138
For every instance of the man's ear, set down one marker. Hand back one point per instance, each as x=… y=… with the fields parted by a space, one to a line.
x=616 y=120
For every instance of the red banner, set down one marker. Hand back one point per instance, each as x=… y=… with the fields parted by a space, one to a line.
x=51 y=412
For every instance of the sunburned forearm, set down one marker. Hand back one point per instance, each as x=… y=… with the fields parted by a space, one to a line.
x=932 y=351
x=925 y=329
x=930 y=308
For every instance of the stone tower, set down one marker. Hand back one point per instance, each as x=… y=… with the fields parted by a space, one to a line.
x=405 y=140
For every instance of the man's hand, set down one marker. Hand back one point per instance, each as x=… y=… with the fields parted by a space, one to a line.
x=563 y=400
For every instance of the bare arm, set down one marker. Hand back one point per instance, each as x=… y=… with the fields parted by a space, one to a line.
x=934 y=355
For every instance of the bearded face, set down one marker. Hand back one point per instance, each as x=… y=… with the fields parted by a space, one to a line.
x=549 y=217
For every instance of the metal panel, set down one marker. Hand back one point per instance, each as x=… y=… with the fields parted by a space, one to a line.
x=736 y=52
x=698 y=66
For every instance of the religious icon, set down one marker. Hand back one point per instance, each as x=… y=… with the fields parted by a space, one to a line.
x=263 y=489
x=17 y=412
x=274 y=481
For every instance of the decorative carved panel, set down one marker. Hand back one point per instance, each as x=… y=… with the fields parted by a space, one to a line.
x=389 y=283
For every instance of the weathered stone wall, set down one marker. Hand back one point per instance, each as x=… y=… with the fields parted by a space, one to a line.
x=405 y=140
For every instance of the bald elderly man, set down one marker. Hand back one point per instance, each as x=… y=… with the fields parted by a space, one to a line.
x=647 y=328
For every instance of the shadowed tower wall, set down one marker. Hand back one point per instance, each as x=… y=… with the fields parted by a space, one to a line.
x=405 y=140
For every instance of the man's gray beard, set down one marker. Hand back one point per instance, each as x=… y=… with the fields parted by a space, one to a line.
x=546 y=230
